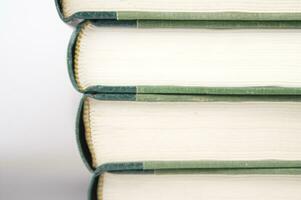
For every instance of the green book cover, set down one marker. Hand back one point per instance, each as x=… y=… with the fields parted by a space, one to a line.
x=79 y=72
x=191 y=170
x=88 y=128
x=179 y=10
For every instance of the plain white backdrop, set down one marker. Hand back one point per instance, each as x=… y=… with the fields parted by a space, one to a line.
x=38 y=153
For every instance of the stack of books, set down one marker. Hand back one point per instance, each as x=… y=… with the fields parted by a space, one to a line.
x=188 y=99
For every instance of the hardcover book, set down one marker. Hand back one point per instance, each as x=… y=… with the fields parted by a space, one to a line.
x=135 y=184
x=188 y=99
x=217 y=131
x=180 y=9
x=176 y=57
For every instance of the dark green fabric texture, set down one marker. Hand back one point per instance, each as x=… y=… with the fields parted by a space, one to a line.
x=99 y=89
x=219 y=24
x=115 y=23
x=264 y=90
x=225 y=16
x=113 y=97
x=237 y=171
x=212 y=98
x=222 y=164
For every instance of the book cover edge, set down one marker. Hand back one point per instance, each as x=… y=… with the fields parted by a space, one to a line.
x=79 y=17
x=148 y=15
x=80 y=137
x=268 y=90
x=140 y=167
x=70 y=56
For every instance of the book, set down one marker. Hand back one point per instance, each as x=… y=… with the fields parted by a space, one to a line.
x=180 y=9
x=169 y=57
x=188 y=99
x=220 y=131
x=263 y=184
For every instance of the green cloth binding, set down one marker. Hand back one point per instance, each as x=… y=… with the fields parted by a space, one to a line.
x=86 y=156
x=191 y=167
x=212 y=16
x=180 y=89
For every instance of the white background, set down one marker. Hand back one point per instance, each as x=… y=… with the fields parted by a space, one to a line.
x=38 y=153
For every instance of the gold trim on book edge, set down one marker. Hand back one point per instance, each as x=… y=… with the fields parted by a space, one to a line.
x=100 y=187
x=77 y=52
x=88 y=132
